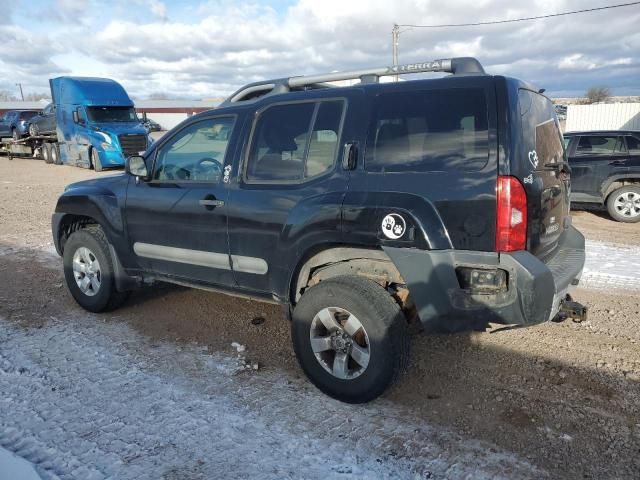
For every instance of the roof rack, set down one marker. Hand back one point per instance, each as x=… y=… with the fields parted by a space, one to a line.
x=456 y=66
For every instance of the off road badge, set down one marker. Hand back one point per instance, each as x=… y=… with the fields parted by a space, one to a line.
x=393 y=226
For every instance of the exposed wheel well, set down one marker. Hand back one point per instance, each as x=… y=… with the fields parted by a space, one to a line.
x=338 y=261
x=618 y=184
x=72 y=223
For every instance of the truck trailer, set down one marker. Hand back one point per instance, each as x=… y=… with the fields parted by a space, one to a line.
x=97 y=125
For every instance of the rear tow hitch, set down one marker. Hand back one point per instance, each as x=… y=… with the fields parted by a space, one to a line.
x=570 y=309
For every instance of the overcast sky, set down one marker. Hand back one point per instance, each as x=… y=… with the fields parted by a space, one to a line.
x=205 y=49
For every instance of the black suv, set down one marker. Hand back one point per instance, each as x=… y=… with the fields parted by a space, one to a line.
x=360 y=209
x=605 y=169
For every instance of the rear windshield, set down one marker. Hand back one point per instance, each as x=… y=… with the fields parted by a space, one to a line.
x=27 y=115
x=434 y=130
x=540 y=129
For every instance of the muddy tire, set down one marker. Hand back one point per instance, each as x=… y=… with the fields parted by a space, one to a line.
x=350 y=338
x=46 y=153
x=88 y=270
x=623 y=204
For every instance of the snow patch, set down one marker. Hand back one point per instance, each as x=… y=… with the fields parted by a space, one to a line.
x=12 y=467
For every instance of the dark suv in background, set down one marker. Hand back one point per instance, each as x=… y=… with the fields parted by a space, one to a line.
x=605 y=170
x=15 y=123
x=360 y=209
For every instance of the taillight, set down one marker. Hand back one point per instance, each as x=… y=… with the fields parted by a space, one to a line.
x=511 y=222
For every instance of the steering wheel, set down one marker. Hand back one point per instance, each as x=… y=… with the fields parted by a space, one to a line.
x=208 y=167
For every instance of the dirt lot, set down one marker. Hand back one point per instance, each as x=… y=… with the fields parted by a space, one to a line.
x=564 y=397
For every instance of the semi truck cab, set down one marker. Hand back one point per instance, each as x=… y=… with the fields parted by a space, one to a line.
x=97 y=126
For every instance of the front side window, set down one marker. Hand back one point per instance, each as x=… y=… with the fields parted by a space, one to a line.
x=27 y=115
x=600 y=145
x=294 y=142
x=436 y=130
x=196 y=153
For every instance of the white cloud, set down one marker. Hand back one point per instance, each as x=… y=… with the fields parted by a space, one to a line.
x=227 y=43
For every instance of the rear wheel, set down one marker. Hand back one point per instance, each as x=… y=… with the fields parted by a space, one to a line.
x=46 y=152
x=14 y=134
x=95 y=160
x=55 y=154
x=88 y=270
x=350 y=338
x=623 y=204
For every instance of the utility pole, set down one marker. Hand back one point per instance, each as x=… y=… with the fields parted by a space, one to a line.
x=395 y=38
x=21 y=94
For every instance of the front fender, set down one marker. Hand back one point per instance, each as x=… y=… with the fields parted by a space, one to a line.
x=97 y=201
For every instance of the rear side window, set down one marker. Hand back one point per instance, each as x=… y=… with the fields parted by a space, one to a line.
x=600 y=145
x=540 y=130
x=633 y=144
x=435 y=130
x=294 y=142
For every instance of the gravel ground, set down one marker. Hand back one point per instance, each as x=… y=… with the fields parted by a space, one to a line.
x=556 y=400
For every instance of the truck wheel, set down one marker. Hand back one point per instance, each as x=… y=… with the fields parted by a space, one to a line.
x=46 y=152
x=350 y=338
x=623 y=204
x=95 y=160
x=55 y=154
x=88 y=270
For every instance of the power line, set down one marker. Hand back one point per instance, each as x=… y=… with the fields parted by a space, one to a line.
x=494 y=22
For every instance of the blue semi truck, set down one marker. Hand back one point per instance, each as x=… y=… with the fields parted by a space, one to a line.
x=97 y=126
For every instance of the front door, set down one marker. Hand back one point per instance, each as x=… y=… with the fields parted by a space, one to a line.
x=177 y=221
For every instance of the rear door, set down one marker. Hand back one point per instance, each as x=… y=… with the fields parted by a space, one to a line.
x=543 y=169
x=594 y=159
x=287 y=196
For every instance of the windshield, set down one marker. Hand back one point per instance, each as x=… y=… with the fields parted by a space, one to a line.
x=112 y=114
x=27 y=115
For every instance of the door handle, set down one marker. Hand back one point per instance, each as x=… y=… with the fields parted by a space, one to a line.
x=211 y=203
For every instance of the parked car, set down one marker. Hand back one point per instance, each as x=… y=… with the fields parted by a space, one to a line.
x=359 y=209
x=44 y=123
x=605 y=170
x=15 y=123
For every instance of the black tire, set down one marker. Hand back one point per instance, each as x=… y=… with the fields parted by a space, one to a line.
x=95 y=160
x=106 y=297
x=618 y=212
x=383 y=322
x=46 y=152
x=33 y=130
x=55 y=154
x=14 y=134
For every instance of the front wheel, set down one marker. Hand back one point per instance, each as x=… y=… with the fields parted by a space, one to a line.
x=623 y=204
x=88 y=270
x=350 y=338
x=33 y=130
x=95 y=160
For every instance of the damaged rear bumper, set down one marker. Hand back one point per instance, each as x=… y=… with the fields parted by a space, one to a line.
x=533 y=291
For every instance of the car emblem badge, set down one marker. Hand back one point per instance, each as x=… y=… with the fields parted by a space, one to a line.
x=393 y=226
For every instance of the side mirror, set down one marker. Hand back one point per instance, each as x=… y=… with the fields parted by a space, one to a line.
x=136 y=166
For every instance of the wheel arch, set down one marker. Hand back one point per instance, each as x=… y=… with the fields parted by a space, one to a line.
x=330 y=261
x=615 y=182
